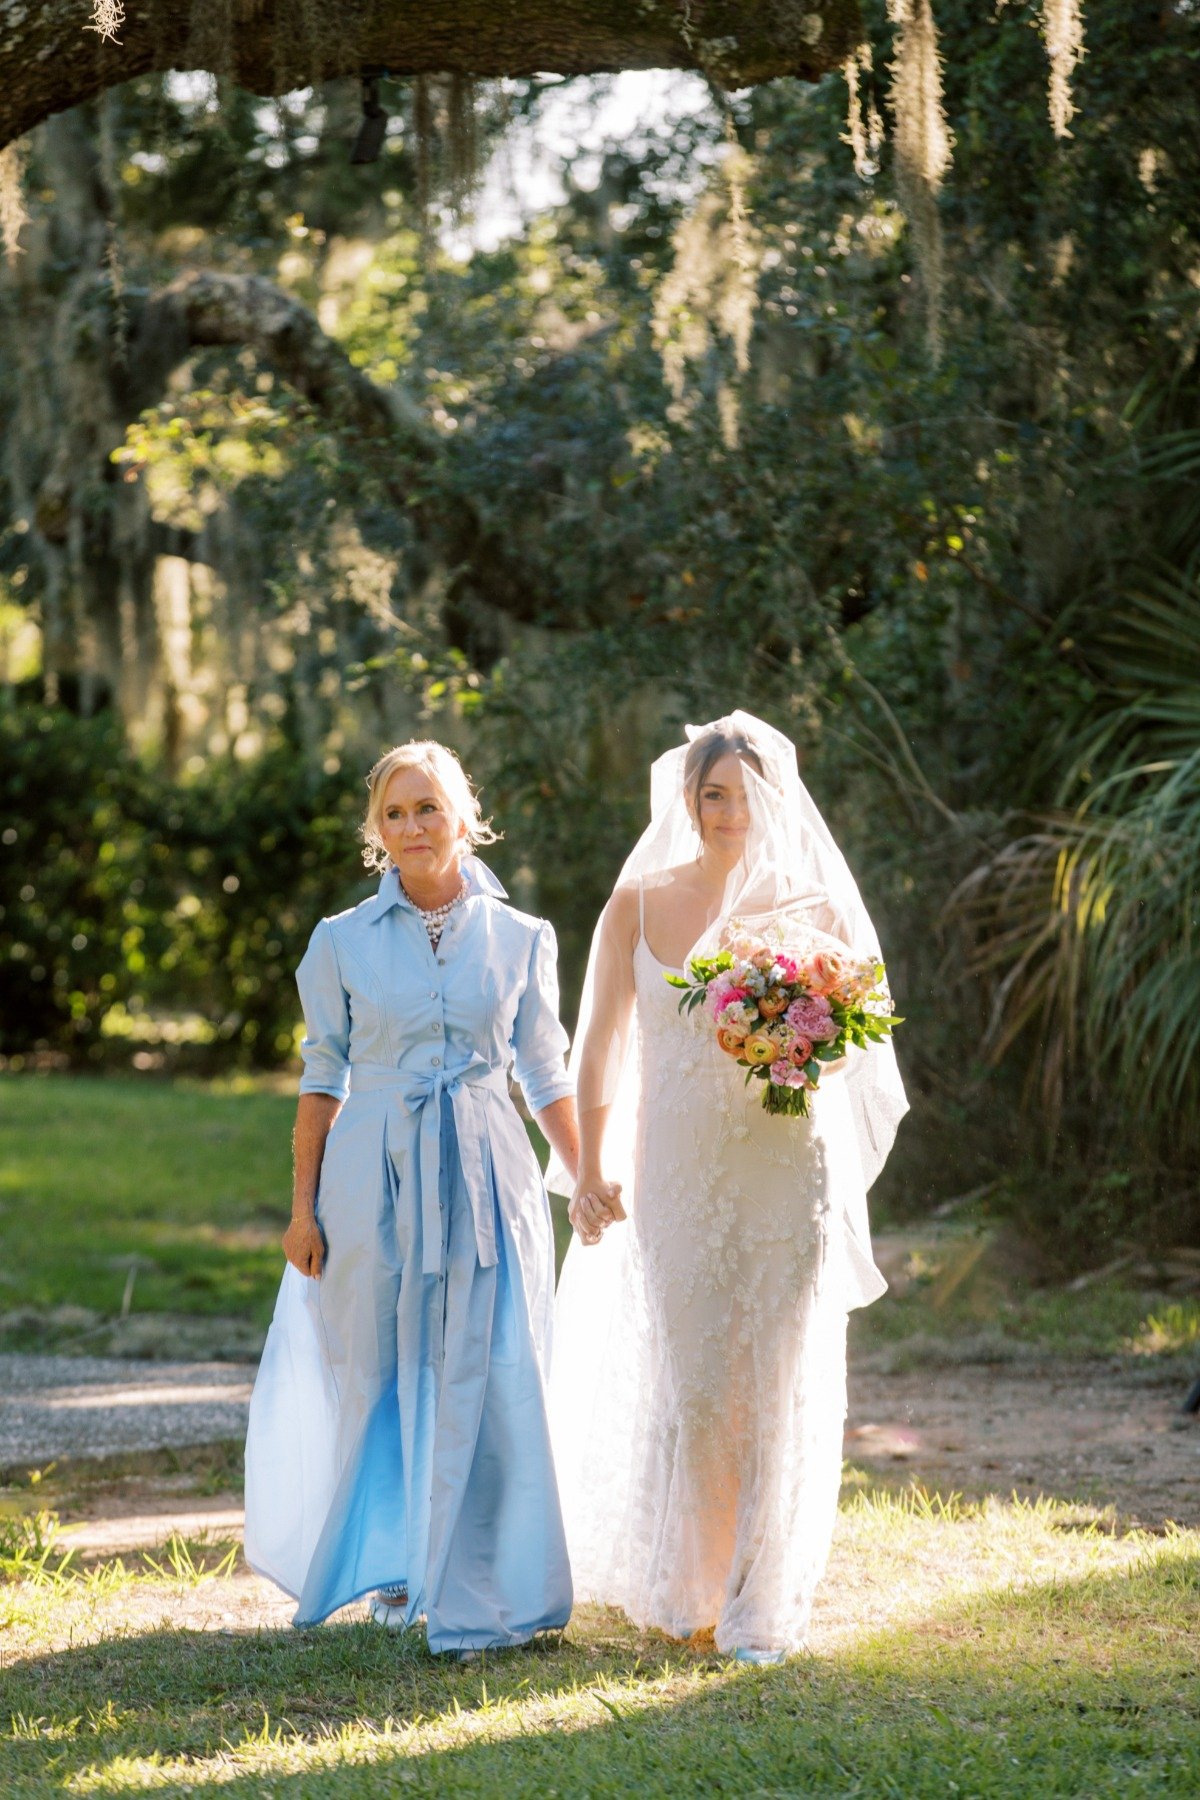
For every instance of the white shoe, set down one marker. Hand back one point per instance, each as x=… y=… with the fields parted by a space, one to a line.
x=386 y=1611
x=759 y=1656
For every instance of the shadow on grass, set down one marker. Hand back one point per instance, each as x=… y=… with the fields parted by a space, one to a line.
x=1081 y=1688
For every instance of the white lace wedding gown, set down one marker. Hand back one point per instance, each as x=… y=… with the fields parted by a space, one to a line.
x=701 y=1479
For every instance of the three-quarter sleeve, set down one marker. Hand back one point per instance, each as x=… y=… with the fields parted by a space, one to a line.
x=538 y=1040
x=326 y=1046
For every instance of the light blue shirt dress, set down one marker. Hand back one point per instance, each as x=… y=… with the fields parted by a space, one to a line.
x=398 y=1426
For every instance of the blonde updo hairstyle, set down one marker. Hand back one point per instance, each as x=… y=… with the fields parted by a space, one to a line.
x=703 y=755
x=448 y=776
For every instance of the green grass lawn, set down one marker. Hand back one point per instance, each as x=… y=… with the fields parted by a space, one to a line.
x=990 y=1648
x=996 y=1322
x=990 y=1651
x=191 y=1183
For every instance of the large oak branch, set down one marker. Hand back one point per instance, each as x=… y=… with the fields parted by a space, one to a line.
x=204 y=308
x=50 y=61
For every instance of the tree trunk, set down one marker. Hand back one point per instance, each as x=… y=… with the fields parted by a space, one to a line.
x=50 y=61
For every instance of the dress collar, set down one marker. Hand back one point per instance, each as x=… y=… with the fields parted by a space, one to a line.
x=480 y=880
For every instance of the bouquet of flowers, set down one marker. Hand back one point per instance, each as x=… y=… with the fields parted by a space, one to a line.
x=784 y=1013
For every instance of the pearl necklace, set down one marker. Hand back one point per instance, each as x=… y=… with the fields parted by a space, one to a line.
x=434 y=917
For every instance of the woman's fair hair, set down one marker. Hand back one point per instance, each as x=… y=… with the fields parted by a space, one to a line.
x=448 y=777
x=704 y=753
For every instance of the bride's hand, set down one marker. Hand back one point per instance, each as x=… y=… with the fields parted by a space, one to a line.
x=596 y=1206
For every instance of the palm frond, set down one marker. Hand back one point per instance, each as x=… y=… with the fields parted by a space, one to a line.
x=1087 y=927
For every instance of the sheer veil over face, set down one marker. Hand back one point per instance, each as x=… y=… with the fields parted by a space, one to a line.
x=791 y=872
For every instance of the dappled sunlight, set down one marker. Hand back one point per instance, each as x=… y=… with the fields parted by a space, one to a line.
x=980 y=1611
x=537 y=411
x=60 y=1406
x=898 y=1557
x=133 y=1395
x=1168 y=1331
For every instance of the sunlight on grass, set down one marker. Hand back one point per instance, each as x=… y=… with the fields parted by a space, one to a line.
x=991 y=1648
x=987 y=1647
x=1170 y=1331
x=986 y=1319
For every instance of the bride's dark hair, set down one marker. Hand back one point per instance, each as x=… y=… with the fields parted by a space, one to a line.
x=704 y=752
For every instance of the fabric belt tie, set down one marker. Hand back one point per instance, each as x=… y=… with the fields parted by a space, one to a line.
x=418 y=1093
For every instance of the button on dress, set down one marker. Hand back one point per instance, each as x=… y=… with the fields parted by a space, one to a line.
x=398 y=1430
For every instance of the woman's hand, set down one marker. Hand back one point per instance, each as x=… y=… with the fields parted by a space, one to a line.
x=596 y=1206
x=304 y=1241
x=304 y=1245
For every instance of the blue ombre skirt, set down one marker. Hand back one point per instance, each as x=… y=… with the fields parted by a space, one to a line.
x=398 y=1429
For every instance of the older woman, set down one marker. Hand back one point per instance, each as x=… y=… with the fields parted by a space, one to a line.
x=398 y=1439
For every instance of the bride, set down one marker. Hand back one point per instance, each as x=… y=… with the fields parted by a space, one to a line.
x=698 y=1388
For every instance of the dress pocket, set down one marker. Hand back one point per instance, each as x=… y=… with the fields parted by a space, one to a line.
x=506 y=1310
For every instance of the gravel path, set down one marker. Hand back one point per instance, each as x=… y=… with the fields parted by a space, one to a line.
x=1093 y=1431
x=60 y=1406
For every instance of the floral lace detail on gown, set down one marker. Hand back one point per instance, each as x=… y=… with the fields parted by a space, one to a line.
x=736 y=1461
x=697 y=1386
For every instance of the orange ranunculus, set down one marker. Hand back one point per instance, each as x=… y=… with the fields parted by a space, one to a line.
x=773 y=1002
x=759 y=1048
x=731 y=1041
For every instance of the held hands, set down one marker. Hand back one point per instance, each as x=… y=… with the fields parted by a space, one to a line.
x=596 y=1206
x=304 y=1245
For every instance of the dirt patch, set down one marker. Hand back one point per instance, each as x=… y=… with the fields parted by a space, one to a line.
x=1099 y=1433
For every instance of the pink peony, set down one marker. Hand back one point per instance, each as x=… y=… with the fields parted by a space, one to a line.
x=812 y=1017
